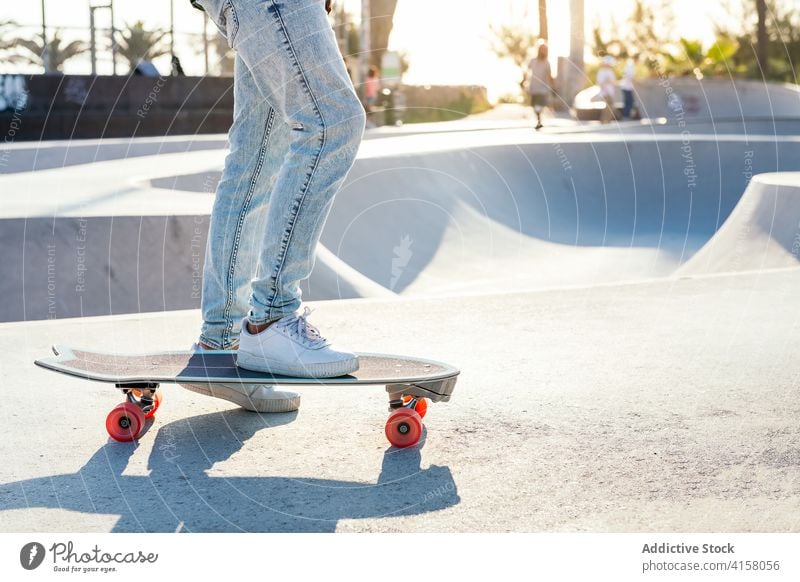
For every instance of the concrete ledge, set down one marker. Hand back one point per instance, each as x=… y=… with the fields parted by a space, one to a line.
x=763 y=231
x=99 y=265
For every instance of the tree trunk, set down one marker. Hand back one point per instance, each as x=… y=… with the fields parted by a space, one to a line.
x=761 y=38
x=380 y=27
x=574 y=73
x=543 y=19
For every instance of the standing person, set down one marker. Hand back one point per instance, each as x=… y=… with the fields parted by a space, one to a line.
x=297 y=125
x=372 y=87
x=607 y=80
x=177 y=68
x=540 y=82
x=626 y=84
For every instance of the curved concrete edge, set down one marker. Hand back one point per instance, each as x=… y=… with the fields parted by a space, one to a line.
x=99 y=265
x=479 y=212
x=762 y=232
x=332 y=278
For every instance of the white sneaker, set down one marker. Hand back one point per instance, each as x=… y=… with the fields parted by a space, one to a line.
x=253 y=397
x=293 y=347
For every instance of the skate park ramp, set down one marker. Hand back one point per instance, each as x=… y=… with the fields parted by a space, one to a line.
x=763 y=232
x=490 y=211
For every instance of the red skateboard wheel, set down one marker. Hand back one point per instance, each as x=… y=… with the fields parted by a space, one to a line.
x=404 y=428
x=421 y=406
x=124 y=422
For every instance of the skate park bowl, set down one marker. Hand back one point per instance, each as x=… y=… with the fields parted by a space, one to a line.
x=98 y=228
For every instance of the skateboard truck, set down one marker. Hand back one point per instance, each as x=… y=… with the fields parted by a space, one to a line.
x=435 y=390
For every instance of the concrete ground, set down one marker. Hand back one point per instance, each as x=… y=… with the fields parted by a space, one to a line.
x=669 y=405
x=612 y=379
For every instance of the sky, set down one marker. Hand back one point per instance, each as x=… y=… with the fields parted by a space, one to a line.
x=449 y=45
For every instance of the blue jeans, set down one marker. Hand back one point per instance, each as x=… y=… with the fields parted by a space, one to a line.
x=296 y=129
x=627 y=100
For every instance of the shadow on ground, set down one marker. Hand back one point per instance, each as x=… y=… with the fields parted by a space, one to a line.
x=180 y=495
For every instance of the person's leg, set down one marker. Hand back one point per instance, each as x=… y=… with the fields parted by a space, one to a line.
x=290 y=49
x=537 y=109
x=608 y=111
x=628 y=103
x=259 y=140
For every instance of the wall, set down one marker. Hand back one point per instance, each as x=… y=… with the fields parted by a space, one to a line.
x=85 y=106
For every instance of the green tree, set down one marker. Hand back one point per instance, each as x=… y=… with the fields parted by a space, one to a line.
x=51 y=55
x=652 y=27
x=783 y=32
x=692 y=58
x=649 y=29
x=136 y=43
x=782 y=25
x=515 y=43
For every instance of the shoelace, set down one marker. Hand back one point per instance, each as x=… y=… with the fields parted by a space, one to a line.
x=299 y=327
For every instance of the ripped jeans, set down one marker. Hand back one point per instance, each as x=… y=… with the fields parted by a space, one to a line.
x=296 y=130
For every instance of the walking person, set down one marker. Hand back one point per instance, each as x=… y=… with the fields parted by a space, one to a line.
x=607 y=81
x=372 y=87
x=540 y=82
x=297 y=126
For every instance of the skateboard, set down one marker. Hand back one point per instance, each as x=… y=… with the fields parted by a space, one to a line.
x=410 y=383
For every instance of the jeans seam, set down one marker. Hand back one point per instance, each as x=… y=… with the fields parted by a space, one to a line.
x=289 y=232
x=230 y=291
x=235 y=24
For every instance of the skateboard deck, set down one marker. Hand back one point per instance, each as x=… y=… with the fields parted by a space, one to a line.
x=409 y=382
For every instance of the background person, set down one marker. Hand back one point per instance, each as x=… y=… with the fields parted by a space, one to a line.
x=372 y=87
x=540 y=82
x=626 y=84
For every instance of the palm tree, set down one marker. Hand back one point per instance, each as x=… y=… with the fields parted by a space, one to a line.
x=380 y=27
x=5 y=26
x=515 y=43
x=575 y=78
x=543 y=19
x=762 y=40
x=51 y=54
x=137 y=44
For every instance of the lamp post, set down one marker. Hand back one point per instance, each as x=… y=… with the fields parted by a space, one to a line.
x=45 y=55
x=113 y=39
x=205 y=40
x=172 y=28
x=93 y=34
